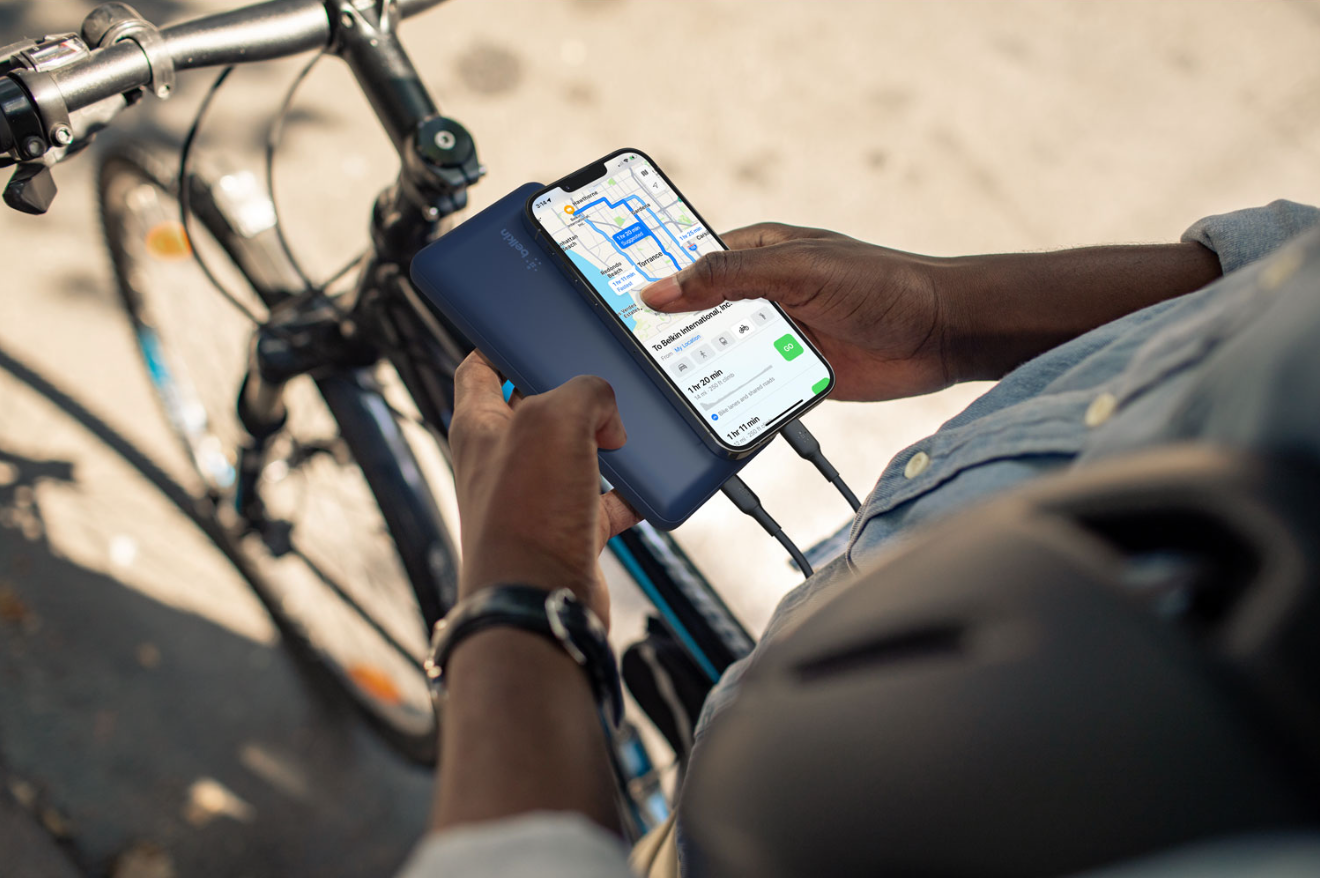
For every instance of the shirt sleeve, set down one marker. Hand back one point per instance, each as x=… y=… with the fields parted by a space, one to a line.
x=1244 y=236
x=541 y=845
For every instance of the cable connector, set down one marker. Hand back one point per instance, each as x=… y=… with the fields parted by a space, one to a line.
x=797 y=435
x=748 y=503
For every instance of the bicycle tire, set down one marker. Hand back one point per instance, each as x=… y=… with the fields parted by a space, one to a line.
x=364 y=424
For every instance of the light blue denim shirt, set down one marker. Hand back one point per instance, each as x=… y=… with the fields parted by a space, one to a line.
x=1237 y=362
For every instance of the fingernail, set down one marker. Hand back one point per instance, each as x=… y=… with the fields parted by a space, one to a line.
x=662 y=292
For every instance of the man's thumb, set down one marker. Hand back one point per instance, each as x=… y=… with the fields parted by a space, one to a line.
x=724 y=275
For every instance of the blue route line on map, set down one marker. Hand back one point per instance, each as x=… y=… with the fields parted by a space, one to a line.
x=650 y=232
x=609 y=237
x=606 y=235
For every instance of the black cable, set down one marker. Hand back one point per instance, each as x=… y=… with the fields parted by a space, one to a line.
x=273 y=135
x=797 y=435
x=343 y=270
x=185 y=197
x=747 y=502
x=272 y=141
x=185 y=193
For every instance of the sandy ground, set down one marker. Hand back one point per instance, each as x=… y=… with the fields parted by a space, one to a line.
x=937 y=127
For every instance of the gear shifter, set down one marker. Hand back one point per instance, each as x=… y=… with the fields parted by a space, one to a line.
x=31 y=189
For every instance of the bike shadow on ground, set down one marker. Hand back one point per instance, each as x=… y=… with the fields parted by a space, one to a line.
x=129 y=725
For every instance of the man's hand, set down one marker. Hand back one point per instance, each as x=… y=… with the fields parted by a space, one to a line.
x=873 y=312
x=897 y=324
x=529 y=485
x=521 y=732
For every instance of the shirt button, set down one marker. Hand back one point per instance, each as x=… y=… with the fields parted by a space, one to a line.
x=1100 y=409
x=916 y=465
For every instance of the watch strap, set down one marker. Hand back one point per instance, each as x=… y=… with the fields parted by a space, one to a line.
x=556 y=615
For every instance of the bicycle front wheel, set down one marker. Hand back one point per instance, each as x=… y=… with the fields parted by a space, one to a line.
x=354 y=562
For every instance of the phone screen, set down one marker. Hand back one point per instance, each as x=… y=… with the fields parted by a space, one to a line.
x=741 y=366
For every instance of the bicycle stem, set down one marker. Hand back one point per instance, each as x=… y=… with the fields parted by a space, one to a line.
x=438 y=160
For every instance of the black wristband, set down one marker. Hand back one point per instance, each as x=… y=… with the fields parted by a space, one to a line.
x=556 y=615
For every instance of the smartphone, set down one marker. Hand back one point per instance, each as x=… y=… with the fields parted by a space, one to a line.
x=491 y=281
x=739 y=371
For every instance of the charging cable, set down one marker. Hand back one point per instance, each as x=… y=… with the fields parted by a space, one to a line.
x=799 y=437
x=747 y=502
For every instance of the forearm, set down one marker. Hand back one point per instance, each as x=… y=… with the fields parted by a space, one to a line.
x=520 y=733
x=1000 y=311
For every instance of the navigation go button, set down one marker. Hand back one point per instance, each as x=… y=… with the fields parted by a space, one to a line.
x=788 y=347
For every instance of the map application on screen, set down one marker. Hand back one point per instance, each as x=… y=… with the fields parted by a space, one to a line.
x=742 y=365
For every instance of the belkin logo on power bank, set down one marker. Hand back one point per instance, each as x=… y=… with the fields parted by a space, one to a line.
x=533 y=264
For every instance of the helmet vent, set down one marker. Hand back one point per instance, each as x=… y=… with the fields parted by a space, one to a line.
x=922 y=644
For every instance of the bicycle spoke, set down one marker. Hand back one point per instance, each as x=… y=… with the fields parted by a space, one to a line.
x=330 y=583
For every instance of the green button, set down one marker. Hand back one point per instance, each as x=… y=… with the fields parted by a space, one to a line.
x=788 y=346
x=820 y=386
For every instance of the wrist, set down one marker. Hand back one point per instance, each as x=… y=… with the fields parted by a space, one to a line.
x=961 y=333
x=521 y=734
x=982 y=327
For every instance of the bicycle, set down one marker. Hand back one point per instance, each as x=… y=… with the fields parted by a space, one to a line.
x=295 y=393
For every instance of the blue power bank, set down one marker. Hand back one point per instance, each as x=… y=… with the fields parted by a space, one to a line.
x=492 y=281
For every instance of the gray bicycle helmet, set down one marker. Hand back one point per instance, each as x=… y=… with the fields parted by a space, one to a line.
x=1109 y=664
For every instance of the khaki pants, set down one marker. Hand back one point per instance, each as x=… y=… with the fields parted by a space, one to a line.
x=656 y=854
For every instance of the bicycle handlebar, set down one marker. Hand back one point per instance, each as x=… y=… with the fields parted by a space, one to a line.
x=261 y=32
x=57 y=93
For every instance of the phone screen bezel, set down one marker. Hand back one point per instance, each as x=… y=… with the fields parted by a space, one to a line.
x=597 y=170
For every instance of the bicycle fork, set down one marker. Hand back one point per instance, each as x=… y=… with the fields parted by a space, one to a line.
x=299 y=339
